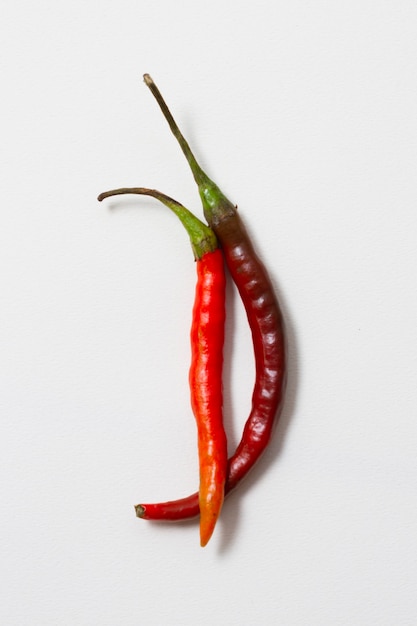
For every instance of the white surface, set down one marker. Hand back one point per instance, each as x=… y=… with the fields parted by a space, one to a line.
x=305 y=114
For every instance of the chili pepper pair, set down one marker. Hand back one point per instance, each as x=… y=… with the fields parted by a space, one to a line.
x=217 y=475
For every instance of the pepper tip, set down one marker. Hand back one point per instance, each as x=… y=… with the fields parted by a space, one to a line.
x=140 y=510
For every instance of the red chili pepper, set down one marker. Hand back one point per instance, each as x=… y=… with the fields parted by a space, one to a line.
x=265 y=320
x=207 y=338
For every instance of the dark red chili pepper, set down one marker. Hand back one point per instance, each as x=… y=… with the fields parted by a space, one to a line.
x=207 y=338
x=265 y=320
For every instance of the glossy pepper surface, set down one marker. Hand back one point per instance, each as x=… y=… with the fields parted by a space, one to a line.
x=265 y=320
x=205 y=376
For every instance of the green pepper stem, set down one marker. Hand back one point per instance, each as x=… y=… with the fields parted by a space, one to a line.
x=203 y=239
x=215 y=203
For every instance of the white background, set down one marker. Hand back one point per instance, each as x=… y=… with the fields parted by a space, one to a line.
x=305 y=114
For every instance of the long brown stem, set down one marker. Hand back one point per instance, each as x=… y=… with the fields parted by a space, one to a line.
x=199 y=176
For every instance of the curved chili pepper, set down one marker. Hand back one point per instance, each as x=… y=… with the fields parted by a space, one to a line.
x=265 y=320
x=205 y=376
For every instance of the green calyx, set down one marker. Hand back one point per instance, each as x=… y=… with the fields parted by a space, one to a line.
x=215 y=204
x=203 y=239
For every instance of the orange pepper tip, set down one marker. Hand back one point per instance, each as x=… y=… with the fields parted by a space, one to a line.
x=206 y=531
x=204 y=539
x=140 y=510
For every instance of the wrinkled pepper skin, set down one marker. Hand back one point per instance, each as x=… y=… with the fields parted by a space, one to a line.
x=265 y=321
x=207 y=338
x=267 y=327
x=205 y=375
